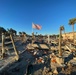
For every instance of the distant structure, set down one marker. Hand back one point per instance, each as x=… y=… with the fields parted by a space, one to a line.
x=69 y=35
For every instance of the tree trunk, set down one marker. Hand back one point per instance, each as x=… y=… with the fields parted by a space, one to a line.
x=3 y=50
x=60 y=51
x=73 y=31
x=33 y=38
x=64 y=33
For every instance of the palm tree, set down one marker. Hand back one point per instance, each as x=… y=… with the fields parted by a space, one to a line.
x=62 y=28
x=60 y=40
x=72 y=22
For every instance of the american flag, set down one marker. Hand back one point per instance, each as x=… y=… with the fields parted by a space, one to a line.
x=36 y=26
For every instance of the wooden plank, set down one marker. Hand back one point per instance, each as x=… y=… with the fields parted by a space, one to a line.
x=35 y=45
x=10 y=42
x=9 y=48
x=44 y=46
x=15 y=49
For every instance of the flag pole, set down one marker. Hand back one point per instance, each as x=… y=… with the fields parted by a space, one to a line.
x=32 y=34
x=32 y=27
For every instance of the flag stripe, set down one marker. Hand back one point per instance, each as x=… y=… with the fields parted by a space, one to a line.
x=36 y=26
x=39 y=27
x=33 y=26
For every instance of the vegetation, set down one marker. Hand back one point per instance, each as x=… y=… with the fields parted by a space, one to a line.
x=72 y=22
x=23 y=33
x=8 y=31
x=20 y=33
x=14 y=32
x=2 y=30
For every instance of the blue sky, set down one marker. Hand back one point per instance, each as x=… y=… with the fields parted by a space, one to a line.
x=50 y=14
